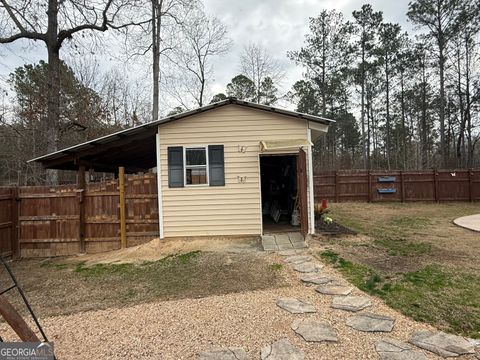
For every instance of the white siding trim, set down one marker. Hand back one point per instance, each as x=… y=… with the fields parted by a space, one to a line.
x=260 y=192
x=159 y=186
x=310 y=185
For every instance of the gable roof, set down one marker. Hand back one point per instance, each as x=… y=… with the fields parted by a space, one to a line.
x=106 y=153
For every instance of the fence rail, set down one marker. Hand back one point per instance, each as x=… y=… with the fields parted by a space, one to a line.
x=376 y=186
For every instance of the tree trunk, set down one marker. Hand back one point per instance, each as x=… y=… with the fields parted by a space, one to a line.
x=366 y=150
x=404 y=133
x=156 y=58
x=443 y=144
x=387 y=88
x=53 y=106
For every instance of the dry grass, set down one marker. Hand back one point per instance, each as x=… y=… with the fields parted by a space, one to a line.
x=60 y=286
x=414 y=257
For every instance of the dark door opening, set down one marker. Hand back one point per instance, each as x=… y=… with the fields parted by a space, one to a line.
x=279 y=193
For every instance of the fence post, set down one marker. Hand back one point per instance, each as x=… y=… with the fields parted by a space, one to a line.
x=435 y=184
x=81 y=207
x=369 y=185
x=123 y=225
x=470 y=185
x=402 y=186
x=15 y=230
x=336 y=186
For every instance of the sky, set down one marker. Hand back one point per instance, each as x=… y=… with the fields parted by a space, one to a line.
x=278 y=25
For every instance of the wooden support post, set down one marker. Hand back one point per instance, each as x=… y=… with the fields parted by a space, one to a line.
x=16 y=322
x=402 y=186
x=15 y=230
x=123 y=224
x=435 y=184
x=336 y=187
x=470 y=185
x=81 y=204
x=369 y=185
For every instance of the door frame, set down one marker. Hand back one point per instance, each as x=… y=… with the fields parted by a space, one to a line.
x=284 y=153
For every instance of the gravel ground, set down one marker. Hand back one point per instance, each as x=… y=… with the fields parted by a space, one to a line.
x=180 y=329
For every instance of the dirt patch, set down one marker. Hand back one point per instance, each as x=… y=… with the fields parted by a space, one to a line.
x=331 y=227
x=58 y=286
x=158 y=249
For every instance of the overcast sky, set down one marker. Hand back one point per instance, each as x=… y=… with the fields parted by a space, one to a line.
x=279 y=25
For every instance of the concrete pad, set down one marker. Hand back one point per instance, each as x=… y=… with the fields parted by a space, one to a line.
x=295 y=306
x=391 y=349
x=232 y=353
x=282 y=239
x=295 y=237
x=281 y=350
x=270 y=247
x=285 y=246
x=300 y=245
x=471 y=222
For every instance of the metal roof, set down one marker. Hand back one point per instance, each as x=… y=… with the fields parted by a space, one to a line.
x=106 y=153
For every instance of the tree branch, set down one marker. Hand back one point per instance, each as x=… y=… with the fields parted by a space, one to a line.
x=65 y=34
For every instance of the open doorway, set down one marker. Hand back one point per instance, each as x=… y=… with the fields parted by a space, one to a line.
x=279 y=193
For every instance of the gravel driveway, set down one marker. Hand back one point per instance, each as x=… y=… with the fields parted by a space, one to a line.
x=180 y=329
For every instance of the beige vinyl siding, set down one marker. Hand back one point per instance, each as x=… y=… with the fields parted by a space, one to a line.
x=233 y=209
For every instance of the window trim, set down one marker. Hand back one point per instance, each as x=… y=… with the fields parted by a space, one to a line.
x=207 y=165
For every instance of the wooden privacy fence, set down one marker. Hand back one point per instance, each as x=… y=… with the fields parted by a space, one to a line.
x=44 y=221
x=374 y=186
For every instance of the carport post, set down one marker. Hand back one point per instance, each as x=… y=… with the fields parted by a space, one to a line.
x=81 y=204
x=123 y=225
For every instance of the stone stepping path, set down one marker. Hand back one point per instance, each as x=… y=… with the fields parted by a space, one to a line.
x=370 y=322
x=440 y=343
x=334 y=289
x=281 y=350
x=231 y=353
x=298 y=259
x=391 y=349
x=351 y=303
x=307 y=267
x=314 y=331
x=290 y=252
x=317 y=279
x=295 y=306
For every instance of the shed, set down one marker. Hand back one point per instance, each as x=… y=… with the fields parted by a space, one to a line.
x=229 y=168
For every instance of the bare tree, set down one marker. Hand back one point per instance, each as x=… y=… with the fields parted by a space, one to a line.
x=257 y=64
x=23 y=19
x=203 y=37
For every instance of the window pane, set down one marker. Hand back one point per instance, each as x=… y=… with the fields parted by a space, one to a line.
x=196 y=176
x=196 y=156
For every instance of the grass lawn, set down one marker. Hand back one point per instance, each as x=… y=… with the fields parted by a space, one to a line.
x=414 y=257
x=57 y=287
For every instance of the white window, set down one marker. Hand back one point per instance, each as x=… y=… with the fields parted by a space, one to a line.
x=196 y=165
